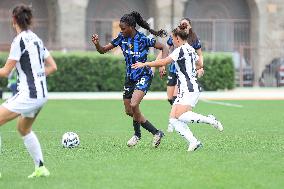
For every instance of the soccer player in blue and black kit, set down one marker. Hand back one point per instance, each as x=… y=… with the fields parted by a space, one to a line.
x=135 y=46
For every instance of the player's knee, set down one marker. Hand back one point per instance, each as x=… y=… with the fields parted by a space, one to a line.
x=23 y=131
x=134 y=105
x=3 y=121
x=129 y=113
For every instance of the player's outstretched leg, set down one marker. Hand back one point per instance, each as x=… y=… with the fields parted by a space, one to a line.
x=192 y=117
x=215 y=123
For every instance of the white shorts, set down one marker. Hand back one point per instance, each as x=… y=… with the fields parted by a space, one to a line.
x=22 y=104
x=187 y=98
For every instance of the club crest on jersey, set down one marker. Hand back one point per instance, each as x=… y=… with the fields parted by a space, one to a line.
x=130 y=46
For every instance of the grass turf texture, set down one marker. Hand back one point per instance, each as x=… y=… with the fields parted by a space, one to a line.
x=248 y=154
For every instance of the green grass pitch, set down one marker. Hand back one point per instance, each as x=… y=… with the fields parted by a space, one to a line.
x=248 y=154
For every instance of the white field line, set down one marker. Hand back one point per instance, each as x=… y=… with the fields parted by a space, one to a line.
x=222 y=103
x=237 y=94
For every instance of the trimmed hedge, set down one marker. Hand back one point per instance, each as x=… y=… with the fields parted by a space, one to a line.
x=219 y=72
x=89 y=71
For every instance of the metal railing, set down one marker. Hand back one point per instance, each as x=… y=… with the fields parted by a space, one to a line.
x=40 y=27
x=224 y=35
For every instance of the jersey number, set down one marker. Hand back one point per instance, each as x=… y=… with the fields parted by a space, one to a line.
x=38 y=50
x=142 y=81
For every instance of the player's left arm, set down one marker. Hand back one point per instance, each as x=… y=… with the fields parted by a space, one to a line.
x=7 y=68
x=163 y=48
x=200 y=60
x=199 y=63
x=163 y=54
x=50 y=65
x=162 y=69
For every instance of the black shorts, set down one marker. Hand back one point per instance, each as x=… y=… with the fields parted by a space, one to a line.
x=172 y=79
x=143 y=84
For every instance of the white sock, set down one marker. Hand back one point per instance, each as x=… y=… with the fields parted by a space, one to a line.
x=183 y=130
x=191 y=117
x=33 y=146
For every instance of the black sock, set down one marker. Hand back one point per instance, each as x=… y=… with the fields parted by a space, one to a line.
x=173 y=99
x=40 y=163
x=170 y=101
x=136 y=126
x=149 y=127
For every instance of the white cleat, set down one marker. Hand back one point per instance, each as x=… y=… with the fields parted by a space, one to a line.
x=157 y=138
x=215 y=123
x=133 y=141
x=194 y=146
x=170 y=128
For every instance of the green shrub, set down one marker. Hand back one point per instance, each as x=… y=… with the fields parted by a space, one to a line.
x=90 y=71
x=219 y=72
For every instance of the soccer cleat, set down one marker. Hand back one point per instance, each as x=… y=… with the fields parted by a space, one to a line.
x=215 y=123
x=40 y=172
x=157 y=138
x=194 y=146
x=133 y=141
x=170 y=128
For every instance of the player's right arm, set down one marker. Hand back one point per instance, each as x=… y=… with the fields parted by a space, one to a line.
x=101 y=49
x=14 y=56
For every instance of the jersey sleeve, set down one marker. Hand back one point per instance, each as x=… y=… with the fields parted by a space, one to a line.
x=197 y=44
x=15 y=51
x=117 y=41
x=150 y=41
x=45 y=53
x=175 y=54
x=170 y=41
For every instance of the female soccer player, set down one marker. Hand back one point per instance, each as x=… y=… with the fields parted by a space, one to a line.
x=172 y=77
x=32 y=62
x=135 y=46
x=185 y=59
x=194 y=41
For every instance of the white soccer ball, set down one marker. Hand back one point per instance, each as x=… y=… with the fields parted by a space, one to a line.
x=70 y=140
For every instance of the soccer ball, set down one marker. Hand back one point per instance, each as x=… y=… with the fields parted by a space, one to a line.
x=70 y=140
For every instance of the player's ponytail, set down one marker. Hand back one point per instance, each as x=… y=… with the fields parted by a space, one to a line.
x=23 y=16
x=181 y=32
x=139 y=20
x=135 y=17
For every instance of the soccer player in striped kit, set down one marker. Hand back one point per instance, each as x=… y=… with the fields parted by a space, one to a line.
x=193 y=41
x=33 y=63
x=135 y=47
x=186 y=62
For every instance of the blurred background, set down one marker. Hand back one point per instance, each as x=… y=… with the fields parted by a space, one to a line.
x=252 y=31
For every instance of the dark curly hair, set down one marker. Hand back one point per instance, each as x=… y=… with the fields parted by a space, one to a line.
x=135 y=18
x=23 y=16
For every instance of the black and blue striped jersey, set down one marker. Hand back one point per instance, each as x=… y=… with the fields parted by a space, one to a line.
x=135 y=50
x=196 y=45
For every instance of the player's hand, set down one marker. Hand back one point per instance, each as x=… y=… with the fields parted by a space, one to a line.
x=137 y=65
x=200 y=72
x=95 y=39
x=162 y=71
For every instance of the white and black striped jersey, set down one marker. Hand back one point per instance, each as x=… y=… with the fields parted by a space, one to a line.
x=185 y=59
x=29 y=52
